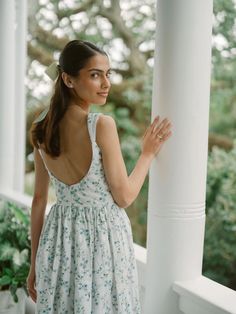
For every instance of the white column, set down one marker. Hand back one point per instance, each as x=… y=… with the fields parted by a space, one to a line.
x=177 y=188
x=20 y=104
x=7 y=93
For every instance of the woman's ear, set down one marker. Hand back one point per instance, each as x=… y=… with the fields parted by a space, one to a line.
x=67 y=80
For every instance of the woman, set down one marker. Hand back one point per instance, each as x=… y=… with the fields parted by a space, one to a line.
x=82 y=258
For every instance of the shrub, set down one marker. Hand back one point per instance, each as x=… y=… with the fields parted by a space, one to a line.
x=14 y=247
x=220 y=236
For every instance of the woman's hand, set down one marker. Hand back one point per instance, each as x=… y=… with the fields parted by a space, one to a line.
x=151 y=142
x=31 y=285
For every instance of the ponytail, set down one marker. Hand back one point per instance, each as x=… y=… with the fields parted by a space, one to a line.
x=72 y=59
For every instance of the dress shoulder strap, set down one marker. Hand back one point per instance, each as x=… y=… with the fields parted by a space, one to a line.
x=93 y=123
x=40 y=152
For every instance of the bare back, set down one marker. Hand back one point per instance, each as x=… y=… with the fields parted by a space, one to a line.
x=76 y=149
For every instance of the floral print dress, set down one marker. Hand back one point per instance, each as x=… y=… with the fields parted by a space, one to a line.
x=85 y=260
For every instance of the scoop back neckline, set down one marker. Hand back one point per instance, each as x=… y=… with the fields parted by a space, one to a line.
x=91 y=164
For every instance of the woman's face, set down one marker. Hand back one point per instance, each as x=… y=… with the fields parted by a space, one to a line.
x=93 y=83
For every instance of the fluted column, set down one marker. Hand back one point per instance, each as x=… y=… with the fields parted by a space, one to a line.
x=7 y=93
x=177 y=186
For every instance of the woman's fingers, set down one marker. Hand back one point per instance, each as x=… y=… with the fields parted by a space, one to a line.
x=165 y=130
x=154 y=123
x=149 y=128
x=31 y=289
x=145 y=133
x=31 y=285
x=163 y=134
x=32 y=293
x=163 y=127
x=166 y=136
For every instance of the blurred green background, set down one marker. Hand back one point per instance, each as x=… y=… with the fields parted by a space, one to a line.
x=125 y=29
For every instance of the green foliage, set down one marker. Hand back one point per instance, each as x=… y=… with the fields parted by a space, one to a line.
x=14 y=247
x=223 y=87
x=220 y=236
x=130 y=144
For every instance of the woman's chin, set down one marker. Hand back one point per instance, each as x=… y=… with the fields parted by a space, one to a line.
x=100 y=102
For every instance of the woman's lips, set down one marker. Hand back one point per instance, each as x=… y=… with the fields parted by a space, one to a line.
x=103 y=94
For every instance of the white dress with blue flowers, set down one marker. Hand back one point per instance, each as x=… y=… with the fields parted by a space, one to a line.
x=85 y=261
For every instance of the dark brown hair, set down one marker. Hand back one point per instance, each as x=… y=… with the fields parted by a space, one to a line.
x=72 y=59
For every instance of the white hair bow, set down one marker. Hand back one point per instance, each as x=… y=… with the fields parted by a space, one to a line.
x=42 y=115
x=52 y=71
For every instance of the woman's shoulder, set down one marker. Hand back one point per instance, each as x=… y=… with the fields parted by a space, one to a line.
x=106 y=128
x=105 y=120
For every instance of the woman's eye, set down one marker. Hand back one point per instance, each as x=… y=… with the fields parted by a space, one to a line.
x=94 y=75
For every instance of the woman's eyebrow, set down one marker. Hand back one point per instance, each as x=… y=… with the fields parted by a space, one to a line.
x=99 y=70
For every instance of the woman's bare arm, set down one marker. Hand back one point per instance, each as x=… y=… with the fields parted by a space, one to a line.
x=39 y=203
x=125 y=188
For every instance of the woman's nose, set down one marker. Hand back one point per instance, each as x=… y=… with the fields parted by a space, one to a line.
x=106 y=82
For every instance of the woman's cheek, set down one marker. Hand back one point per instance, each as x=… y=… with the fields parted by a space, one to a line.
x=97 y=82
